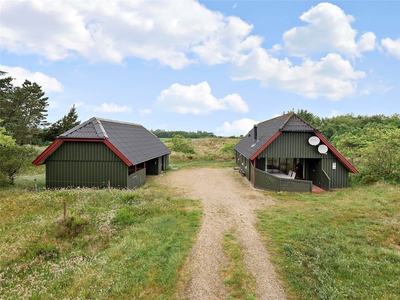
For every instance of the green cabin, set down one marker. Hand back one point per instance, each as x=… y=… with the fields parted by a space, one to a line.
x=100 y=153
x=288 y=154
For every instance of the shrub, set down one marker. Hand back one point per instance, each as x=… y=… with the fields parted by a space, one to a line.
x=71 y=227
x=180 y=144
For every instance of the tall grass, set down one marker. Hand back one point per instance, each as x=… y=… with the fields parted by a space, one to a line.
x=113 y=244
x=343 y=244
x=209 y=152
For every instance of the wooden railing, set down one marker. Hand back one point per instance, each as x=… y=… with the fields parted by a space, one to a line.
x=137 y=179
x=267 y=181
x=325 y=181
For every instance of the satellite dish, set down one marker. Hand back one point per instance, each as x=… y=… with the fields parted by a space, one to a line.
x=323 y=149
x=313 y=141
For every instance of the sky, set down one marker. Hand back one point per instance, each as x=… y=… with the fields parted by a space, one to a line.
x=215 y=66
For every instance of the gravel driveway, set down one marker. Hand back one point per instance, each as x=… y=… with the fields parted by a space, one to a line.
x=229 y=201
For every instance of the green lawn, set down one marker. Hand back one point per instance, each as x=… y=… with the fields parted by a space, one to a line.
x=343 y=244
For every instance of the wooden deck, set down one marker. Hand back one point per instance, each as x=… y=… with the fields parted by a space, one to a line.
x=317 y=190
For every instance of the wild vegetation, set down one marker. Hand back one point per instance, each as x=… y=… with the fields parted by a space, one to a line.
x=112 y=244
x=371 y=143
x=343 y=244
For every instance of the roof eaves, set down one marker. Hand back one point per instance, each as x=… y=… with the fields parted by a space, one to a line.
x=348 y=165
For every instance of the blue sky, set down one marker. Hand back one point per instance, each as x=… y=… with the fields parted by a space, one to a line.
x=218 y=66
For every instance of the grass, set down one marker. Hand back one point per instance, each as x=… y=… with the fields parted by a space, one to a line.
x=115 y=244
x=241 y=284
x=209 y=152
x=120 y=244
x=343 y=244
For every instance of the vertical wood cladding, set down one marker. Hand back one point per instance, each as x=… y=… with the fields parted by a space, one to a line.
x=295 y=145
x=85 y=164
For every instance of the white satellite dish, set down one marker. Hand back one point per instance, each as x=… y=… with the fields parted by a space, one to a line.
x=323 y=149
x=313 y=141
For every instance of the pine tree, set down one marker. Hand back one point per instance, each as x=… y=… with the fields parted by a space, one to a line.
x=22 y=109
x=67 y=122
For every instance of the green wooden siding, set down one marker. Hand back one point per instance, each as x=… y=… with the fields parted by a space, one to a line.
x=295 y=145
x=85 y=164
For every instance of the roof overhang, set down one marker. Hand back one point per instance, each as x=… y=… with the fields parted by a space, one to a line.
x=58 y=142
x=273 y=138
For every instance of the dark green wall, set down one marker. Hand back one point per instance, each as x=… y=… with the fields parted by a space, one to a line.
x=85 y=164
x=295 y=145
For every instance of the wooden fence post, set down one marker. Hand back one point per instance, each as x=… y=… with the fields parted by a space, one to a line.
x=65 y=212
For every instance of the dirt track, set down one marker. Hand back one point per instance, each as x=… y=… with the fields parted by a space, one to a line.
x=229 y=202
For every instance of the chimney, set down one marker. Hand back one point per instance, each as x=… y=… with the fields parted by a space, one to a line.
x=255 y=134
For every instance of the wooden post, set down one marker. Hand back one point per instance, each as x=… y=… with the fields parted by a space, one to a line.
x=35 y=186
x=109 y=185
x=65 y=211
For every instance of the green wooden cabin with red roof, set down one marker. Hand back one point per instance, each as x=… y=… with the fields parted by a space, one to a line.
x=101 y=152
x=288 y=154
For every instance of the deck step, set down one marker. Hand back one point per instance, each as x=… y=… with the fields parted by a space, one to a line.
x=317 y=190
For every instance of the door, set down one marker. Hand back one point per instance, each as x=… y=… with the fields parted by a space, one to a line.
x=314 y=171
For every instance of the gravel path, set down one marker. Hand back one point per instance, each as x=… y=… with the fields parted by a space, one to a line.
x=229 y=202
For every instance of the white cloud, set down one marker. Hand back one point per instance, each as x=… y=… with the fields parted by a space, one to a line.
x=329 y=30
x=48 y=84
x=197 y=99
x=145 y=112
x=238 y=127
x=112 y=31
x=392 y=46
x=104 y=107
x=331 y=77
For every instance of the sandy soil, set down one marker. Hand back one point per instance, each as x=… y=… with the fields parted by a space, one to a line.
x=229 y=201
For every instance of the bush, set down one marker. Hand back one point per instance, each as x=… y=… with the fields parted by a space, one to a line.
x=180 y=144
x=228 y=147
x=71 y=227
x=13 y=159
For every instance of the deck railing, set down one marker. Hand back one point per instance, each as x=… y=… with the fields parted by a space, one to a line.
x=267 y=181
x=137 y=179
x=325 y=181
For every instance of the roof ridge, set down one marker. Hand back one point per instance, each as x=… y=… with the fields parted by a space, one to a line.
x=269 y=120
x=99 y=128
x=290 y=115
x=77 y=127
x=119 y=122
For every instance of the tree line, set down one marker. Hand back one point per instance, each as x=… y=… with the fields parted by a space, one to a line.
x=160 y=133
